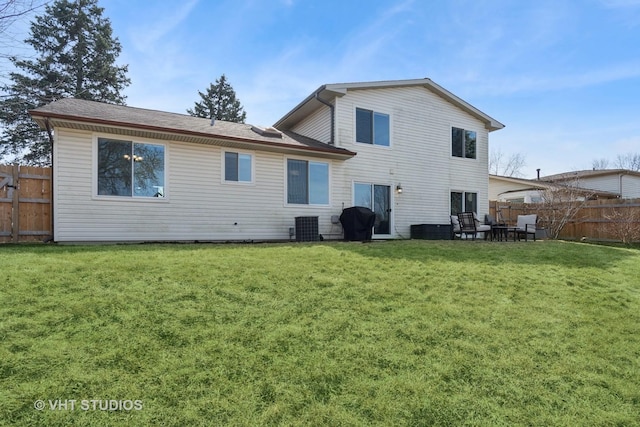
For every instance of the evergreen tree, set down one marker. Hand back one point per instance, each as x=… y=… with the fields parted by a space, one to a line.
x=75 y=57
x=220 y=103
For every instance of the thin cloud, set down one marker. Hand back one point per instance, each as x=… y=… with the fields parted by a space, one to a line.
x=147 y=36
x=364 y=46
x=531 y=83
x=283 y=80
x=624 y=145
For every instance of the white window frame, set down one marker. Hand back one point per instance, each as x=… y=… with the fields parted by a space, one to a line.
x=464 y=130
x=374 y=111
x=127 y=199
x=391 y=203
x=286 y=182
x=464 y=193
x=223 y=166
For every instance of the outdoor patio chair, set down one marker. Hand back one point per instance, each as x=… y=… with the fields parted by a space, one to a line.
x=455 y=227
x=490 y=220
x=525 y=225
x=469 y=225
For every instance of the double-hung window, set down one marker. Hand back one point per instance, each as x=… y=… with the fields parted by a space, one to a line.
x=372 y=127
x=307 y=182
x=237 y=167
x=130 y=169
x=463 y=143
x=462 y=201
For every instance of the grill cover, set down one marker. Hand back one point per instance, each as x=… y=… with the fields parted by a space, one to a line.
x=357 y=223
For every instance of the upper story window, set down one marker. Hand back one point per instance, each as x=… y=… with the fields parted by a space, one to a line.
x=238 y=167
x=307 y=182
x=130 y=169
x=372 y=127
x=463 y=143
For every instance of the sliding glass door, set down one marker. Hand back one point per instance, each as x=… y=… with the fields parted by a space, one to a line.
x=378 y=199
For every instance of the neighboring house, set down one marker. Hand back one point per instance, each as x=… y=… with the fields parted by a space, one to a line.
x=410 y=150
x=624 y=183
x=520 y=190
x=517 y=190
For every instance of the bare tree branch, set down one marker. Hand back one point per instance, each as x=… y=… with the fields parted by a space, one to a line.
x=506 y=166
x=630 y=161
x=600 y=164
x=560 y=204
x=12 y=10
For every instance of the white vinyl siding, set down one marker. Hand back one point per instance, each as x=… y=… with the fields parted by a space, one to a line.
x=630 y=187
x=627 y=185
x=198 y=206
x=419 y=157
x=317 y=125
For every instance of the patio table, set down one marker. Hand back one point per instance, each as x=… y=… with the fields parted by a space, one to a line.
x=500 y=231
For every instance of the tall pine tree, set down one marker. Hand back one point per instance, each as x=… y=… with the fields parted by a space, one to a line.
x=219 y=103
x=75 y=57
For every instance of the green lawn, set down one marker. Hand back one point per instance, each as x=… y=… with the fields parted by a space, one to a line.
x=412 y=333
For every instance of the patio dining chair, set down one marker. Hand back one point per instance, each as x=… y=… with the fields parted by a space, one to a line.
x=469 y=225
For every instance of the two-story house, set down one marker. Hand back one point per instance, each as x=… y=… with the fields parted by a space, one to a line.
x=409 y=150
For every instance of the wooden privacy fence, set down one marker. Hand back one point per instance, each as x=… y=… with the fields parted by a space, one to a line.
x=25 y=203
x=605 y=219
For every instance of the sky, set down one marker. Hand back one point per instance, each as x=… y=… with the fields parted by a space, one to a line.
x=562 y=75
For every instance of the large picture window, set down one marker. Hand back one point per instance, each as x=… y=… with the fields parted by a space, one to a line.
x=130 y=169
x=237 y=167
x=307 y=182
x=462 y=201
x=463 y=143
x=372 y=127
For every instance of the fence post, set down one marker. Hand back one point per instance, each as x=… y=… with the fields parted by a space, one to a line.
x=15 y=208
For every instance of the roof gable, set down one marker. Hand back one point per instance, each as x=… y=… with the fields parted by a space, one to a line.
x=328 y=92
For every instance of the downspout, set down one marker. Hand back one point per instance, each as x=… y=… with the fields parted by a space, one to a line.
x=50 y=134
x=621 y=185
x=333 y=116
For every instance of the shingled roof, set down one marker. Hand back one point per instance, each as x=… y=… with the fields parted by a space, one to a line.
x=588 y=173
x=118 y=119
x=326 y=93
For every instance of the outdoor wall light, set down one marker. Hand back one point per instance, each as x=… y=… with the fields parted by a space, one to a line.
x=399 y=188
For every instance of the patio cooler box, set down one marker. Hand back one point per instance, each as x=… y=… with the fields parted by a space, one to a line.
x=431 y=231
x=307 y=229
